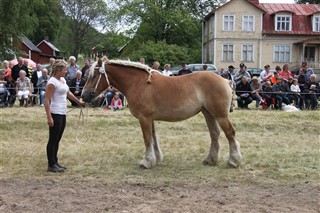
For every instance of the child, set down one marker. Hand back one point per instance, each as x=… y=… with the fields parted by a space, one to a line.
x=116 y=103
x=268 y=93
x=296 y=89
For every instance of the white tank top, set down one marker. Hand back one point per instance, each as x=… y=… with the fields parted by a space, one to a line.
x=58 y=103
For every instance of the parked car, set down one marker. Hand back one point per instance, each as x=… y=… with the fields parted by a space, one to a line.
x=254 y=71
x=195 y=68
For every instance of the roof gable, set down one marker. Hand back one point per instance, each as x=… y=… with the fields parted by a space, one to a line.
x=49 y=44
x=29 y=44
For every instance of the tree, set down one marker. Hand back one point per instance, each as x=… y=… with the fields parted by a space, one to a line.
x=16 y=19
x=81 y=16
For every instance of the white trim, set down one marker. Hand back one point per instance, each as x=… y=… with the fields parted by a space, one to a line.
x=253 y=23
x=286 y=16
x=260 y=43
x=314 y=23
x=234 y=22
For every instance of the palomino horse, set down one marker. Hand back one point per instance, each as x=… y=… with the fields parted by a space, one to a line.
x=152 y=96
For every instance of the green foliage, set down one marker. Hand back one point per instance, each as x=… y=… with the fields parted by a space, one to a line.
x=308 y=1
x=162 y=52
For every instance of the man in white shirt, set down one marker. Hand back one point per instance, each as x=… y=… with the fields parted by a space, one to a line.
x=265 y=75
x=166 y=70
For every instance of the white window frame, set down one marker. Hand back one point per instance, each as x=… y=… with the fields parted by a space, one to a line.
x=316 y=23
x=242 y=53
x=278 y=59
x=232 y=59
x=246 y=23
x=282 y=16
x=233 y=25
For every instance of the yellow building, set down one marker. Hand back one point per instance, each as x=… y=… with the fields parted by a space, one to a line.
x=245 y=31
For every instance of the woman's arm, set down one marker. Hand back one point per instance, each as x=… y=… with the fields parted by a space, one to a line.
x=49 y=92
x=73 y=98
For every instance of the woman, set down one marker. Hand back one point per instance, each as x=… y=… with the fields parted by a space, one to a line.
x=23 y=88
x=55 y=103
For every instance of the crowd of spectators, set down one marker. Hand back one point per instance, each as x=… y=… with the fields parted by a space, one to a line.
x=270 y=90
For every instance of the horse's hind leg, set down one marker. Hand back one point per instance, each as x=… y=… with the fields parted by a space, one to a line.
x=234 y=145
x=213 y=156
x=150 y=159
x=156 y=145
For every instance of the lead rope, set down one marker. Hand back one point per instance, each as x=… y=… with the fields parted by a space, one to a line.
x=83 y=122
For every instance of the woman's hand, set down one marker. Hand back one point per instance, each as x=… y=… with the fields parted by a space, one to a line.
x=50 y=122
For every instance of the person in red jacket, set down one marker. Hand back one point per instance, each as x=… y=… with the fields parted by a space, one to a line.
x=116 y=103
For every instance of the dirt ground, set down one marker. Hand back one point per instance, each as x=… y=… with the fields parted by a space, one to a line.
x=51 y=194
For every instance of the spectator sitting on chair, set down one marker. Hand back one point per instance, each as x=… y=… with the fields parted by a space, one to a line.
x=242 y=72
x=86 y=69
x=274 y=78
x=34 y=79
x=243 y=93
x=42 y=84
x=296 y=90
x=302 y=81
x=23 y=88
x=265 y=75
x=76 y=86
x=280 y=90
x=116 y=103
x=4 y=93
x=268 y=93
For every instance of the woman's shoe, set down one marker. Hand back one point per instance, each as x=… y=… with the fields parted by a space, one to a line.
x=55 y=168
x=60 y=166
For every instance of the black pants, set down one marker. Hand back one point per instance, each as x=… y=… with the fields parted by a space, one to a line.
x=55 y=134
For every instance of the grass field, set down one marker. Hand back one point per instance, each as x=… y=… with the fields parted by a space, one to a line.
x=279 y=149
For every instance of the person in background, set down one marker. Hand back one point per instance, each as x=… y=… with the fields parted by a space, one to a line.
x=296 y=90
x=278 y=69
x=308 y=70
x=156 y=65
x=285 y=73
x=142 y=60
x=110 y=93
x=242 y=72
x=16 y=69
x=76 y=86
x=42 y=85
x=166 y=70
x=30 y=69
x=279 y=93
x=23 y=88
x=243 y=93
x=116 y=103
x=86 y=69
x=72 y=69
x=302 y=84
x=229 y=74
x=55 y=103
x=10 y=83
x=49 y=68
x=184 y=70
x=205 y=67
x=267 y=93
x=265 y=75
x=256 y=88
x=4 y=93
x=274 y=78
x=7 y=70
x=35 y=76
x=313 y=88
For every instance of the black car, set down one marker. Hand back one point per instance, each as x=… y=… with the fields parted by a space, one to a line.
x=254 y=71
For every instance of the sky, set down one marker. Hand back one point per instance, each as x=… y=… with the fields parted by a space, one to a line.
x=277 y=1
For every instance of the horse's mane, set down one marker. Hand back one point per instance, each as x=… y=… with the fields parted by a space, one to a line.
x=125 y=63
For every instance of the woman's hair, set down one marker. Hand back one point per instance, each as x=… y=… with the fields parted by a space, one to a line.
x=58 y=65
x=22 y=72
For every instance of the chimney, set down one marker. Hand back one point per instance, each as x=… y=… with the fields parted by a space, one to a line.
x=46 y=38
x=255 y=2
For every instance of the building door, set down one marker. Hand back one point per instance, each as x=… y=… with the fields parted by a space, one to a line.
x=309 y=53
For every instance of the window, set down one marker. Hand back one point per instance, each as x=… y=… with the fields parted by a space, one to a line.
x=247 y=52
x=228 y=22
x=247 y=23
x=316 y=23
x=283 y=22
x=282 y=53
x=227 y=53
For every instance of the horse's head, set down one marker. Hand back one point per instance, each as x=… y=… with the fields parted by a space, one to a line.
x=97 y=82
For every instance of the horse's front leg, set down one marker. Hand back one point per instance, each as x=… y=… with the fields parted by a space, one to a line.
x=150 y=159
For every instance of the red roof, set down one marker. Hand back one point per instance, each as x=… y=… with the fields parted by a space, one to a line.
x=301 y=18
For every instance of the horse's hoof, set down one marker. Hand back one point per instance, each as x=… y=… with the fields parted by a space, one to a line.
x=207 y=162
x=233 y=164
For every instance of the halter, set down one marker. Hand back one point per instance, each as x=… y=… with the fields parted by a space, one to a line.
x=102 y=71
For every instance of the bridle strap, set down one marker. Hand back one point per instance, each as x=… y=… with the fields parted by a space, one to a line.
x=102 y=71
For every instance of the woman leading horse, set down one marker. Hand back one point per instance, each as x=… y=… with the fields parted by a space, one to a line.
x=168 y=99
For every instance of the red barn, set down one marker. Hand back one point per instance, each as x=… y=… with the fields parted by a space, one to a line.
x=32 y=52
x=48 y=50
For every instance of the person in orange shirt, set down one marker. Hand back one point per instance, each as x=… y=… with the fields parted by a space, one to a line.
x=7 y=70
x=274 y=78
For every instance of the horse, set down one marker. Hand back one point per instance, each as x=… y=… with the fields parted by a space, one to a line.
x=153 y=96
